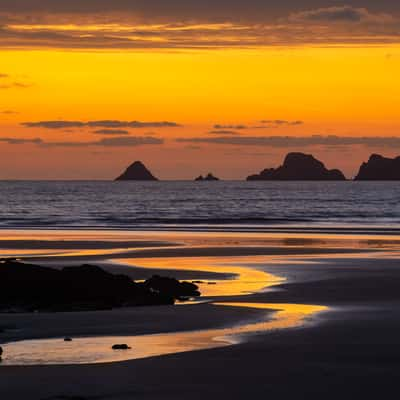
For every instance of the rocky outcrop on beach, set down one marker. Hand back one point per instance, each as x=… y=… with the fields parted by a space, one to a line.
x=122 y=346
x=29 y=287
x=208 y=177
x=137 y=172
x=299 y=167
x=179 y=290
x=379 y=168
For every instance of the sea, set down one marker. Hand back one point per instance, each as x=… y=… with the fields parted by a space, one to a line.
x=237 y=206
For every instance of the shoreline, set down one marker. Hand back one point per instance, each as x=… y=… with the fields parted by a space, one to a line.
x=349 y=229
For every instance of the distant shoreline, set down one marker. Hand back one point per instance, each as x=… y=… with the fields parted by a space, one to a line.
x=367 y=230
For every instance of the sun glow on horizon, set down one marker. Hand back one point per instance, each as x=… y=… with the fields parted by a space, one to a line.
x=341 y=91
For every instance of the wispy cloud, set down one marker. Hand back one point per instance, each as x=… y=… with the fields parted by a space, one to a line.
x=20 y=141
x=230 y=126
x=341 y=14
x=8 y=82
x=98 y=29
x=223 y=132
x=298 y=141
x=8 y=112
x=111 y=132
x=120 y=141
x=265 y=124
x=280 y=122
x=54 y=124
x=60 y=124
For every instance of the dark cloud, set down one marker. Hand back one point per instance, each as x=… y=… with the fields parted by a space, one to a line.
x=120 y=141
x=281 y=122
x=99 y=124
x=233 y=126
x=111 y=132
x=129 y=141
x=291 y=32
x=297 y=141
x=20 y=141
x=266 y=124
x=157 y=10
x=132 y=124
x=346 y=14
x=54 y=124
x=125 y=24
x=8 y=112
x=223 y=132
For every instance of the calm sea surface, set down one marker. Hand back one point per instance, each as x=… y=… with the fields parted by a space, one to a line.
x=231 y=206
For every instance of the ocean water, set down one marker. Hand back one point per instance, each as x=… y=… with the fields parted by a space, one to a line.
x=227 y=206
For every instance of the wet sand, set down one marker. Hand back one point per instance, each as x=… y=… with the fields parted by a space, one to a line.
x=351 y=352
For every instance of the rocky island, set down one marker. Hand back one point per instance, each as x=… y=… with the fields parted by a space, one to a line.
x=299 y=167
x=208 y=177
x=379 y=168
x=29 y=288
x=137 y=172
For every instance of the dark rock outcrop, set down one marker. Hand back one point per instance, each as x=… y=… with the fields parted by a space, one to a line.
x=299 y=167
x=28 y=287
x=208 y=177
x=137 y=172
x=379 y=168
x=169 y=285
x=122 y=346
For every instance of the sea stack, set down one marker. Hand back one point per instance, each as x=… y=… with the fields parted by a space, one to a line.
x=137 y=172
x=299 y=167
x=208 y=177
x=379 y=168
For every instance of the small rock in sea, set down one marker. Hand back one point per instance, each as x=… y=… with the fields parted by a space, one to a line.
x=120 y=347
x=211 y=283
x=198 y=282
x=67 y=339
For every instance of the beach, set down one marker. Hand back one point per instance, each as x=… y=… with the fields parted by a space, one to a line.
x=351 y=339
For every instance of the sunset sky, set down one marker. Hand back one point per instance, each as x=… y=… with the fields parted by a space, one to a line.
x=188 y=86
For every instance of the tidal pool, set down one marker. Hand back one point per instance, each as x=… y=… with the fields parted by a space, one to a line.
x=92 y=350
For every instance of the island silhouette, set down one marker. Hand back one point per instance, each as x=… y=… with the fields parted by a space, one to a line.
x=137 y=171
x=296 y=166
x=299 y=167
x=379 y=168
x=208 y=177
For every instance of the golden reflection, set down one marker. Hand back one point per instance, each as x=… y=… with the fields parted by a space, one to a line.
x=301 y=240
x=286 y=315
x=92 y=350
x=239 y=279
x=295 y=240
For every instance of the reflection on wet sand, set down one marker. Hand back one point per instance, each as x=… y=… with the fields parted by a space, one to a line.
x=243 y=276
x=244 y=279
x=98 y=349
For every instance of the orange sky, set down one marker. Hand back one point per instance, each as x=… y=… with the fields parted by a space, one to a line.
x=340 y=89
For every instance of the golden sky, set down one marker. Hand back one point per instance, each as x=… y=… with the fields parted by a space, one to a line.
x=82 y=95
